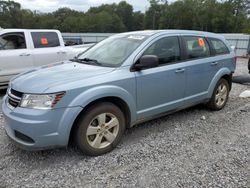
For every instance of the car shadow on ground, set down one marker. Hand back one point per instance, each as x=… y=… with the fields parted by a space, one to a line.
x=242 y=79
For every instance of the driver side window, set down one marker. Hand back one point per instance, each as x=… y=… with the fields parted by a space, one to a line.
x=11 y=41
x=166 y=49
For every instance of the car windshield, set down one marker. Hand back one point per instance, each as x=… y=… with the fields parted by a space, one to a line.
x=112 y=51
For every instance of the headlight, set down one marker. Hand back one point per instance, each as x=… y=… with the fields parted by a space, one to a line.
x=43 y=101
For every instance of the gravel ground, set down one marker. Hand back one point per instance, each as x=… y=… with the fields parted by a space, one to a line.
x=191 y=148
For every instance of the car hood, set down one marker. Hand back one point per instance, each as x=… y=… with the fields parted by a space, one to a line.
x=40 y=79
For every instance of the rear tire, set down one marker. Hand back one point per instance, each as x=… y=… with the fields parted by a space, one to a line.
x=99 y=129
x=220 y=95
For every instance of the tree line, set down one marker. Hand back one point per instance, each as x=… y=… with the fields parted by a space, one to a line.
x=222 y=16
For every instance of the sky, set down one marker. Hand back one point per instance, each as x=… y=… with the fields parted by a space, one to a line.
x=81 y=5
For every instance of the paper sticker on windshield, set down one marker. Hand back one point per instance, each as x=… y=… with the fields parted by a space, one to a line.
x=136 y=37
x=201 y=42
x=44 y=41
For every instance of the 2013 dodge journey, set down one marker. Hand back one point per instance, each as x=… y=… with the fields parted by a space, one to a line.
x=125 y=79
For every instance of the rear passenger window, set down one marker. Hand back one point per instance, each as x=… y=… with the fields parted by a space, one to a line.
x=196 y=47
x=219 y=47
x=166 y=49
x=45 y=39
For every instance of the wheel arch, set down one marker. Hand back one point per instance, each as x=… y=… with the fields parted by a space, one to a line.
x=228 y=78
x=120 y=103
x=223 y=73
x=120 y=97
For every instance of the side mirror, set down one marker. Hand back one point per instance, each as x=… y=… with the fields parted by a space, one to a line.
x=147 y=61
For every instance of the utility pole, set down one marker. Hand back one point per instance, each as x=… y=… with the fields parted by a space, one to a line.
x=154 y=15
x=154 y=21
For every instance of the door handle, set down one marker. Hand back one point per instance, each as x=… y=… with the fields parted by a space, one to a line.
x=61 y=52
x=179 y=70
x=24 y=54
x=214 y=63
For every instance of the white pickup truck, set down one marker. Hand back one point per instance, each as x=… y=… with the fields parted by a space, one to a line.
x=22 y=49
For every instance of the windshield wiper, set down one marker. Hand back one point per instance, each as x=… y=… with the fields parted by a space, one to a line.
x=86 y=61
x=91 y=60
x=75 y=59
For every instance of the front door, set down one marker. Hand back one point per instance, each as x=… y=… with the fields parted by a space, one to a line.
x=162 y=88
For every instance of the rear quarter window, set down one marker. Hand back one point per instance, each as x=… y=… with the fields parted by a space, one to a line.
x=45 y=39
x=219 y=46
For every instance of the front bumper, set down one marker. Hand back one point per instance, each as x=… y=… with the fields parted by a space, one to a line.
x=34 y=129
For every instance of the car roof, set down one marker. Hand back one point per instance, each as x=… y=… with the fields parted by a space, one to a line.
x=32 y=30
x=173 y=31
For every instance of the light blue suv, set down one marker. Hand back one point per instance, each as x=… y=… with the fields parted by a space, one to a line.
x=121 y=81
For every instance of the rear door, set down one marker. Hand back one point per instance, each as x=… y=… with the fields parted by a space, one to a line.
x=14 y=56
x=161 y=88
x=201 y=68
x=47 y=48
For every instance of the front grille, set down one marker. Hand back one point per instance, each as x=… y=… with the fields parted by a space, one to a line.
x=16 y=93
x=13 y=103
x=14 y=97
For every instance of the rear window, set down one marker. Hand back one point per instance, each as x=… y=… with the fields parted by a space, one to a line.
x=219 y=46
x=196 y=47
x=45 y=39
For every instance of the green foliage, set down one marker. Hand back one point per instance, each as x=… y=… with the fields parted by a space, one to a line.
x=102 y=22
x=125 y=13
x=138 y=21
x=208 y=15
x=153 y=14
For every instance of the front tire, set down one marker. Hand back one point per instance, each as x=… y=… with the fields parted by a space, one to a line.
x=100 y=129
x=220 y=95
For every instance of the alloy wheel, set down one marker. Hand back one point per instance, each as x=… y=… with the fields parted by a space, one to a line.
x=221 y=95
x=102 y=130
